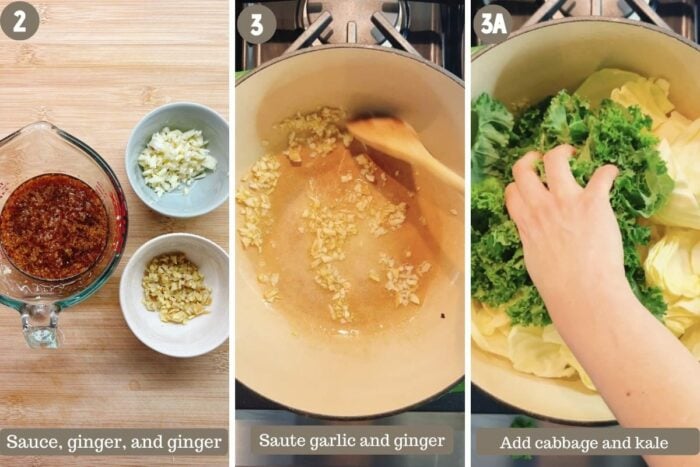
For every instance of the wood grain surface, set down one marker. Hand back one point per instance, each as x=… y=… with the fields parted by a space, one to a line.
x=94 y=68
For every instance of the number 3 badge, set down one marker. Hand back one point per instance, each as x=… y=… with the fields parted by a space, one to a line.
x=256 y=24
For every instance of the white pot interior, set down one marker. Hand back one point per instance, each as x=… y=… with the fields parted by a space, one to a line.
x=558 y=55
x=528 y=68
x=397 y=368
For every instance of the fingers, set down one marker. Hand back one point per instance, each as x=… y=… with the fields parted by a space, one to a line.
x=515 y=204
x=602 y=180
x=560 y=180
x=526 y=178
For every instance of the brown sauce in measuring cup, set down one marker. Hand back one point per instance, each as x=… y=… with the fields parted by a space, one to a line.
x=53 y=227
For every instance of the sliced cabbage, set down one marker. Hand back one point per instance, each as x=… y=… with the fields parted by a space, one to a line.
x=530 y=353
x=490 y=329
x=651 y=95
x=673 y=264
x=601 y=84
x=682 y=157
x=680 y=138
x=534 y=350
x=550 y=334
x=672 y=127
x=571 y=360
x=682 y=316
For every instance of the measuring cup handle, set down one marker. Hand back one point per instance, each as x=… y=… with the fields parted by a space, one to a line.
x=46 y=336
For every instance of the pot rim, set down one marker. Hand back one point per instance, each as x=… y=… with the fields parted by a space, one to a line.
x=374 y=48
x=547 y=418
x=590 y=19
x=359 y=418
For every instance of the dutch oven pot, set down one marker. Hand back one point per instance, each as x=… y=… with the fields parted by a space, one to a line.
x=537 y=62
x=375 y=374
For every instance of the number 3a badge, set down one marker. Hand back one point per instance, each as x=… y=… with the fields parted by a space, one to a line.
x=492 y=24
x=19 y=21
x=256 y=24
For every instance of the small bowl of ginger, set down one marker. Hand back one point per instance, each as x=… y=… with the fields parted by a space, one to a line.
x=174 y=295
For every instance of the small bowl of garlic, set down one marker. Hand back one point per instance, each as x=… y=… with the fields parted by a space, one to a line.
x=174 y=295
x=177 y=160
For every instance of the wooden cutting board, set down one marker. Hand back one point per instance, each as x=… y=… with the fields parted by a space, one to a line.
x=94 y=69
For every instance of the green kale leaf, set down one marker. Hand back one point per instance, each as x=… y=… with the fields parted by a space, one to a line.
x=491 y=126
x=608 y=134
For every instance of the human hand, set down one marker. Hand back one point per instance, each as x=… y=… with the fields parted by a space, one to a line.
x=571 y=240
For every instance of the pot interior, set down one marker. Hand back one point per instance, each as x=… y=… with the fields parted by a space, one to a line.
x=561 y=54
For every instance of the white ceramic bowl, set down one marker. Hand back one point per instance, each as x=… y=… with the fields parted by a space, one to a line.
x=203 y=333
x=205 y=194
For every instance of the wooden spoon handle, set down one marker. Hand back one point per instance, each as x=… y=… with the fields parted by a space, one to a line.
x=442 y=172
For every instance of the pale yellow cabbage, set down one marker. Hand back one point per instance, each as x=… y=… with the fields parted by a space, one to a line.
x=550 y=334
x=680 y=137
x=602 y=83
x=530 y=353
x=490 y=329
x=682 y=157
x=679 y=147
x=670 y=264
x=673 y=265
x=538 y=351
x=585 y=379
x=650 y=95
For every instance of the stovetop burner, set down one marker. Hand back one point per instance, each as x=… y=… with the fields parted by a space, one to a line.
x=681 y=16
x=433 y=29
x=609 y=9
x=352 y=19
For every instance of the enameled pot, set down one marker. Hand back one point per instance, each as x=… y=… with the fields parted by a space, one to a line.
x=532 y=64
x=396 y=369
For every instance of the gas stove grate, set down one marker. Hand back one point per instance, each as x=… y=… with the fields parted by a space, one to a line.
x=433 y=28
x=681 y=16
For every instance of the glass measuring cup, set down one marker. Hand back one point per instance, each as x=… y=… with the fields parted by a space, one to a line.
x=40 y=149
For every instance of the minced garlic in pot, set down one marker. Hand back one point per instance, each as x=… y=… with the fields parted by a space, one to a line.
x=388 y=218
x=318 y=132
x=254 y=200
x=331 y=219
x=402 y=279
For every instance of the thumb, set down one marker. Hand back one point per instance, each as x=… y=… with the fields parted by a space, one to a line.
x=602 y=180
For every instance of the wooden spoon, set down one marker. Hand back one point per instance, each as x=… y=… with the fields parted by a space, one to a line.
x=398 y=139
